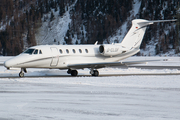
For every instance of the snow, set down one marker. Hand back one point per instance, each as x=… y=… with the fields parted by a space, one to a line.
x=122 y=31
x=78 y=98
x=2 y=27
x=55 y=29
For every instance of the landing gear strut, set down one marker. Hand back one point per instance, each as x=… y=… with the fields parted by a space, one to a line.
x=72 y=72
x=21 y=74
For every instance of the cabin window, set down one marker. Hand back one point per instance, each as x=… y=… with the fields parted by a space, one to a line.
x=40 y=52
x=67 y=51
x=36 y=52
x=29 y=51
x=80 y=51
x=74 y=51
x=60 y=51
x=86 y=50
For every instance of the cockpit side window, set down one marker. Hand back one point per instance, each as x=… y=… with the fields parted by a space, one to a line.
x=36 y=52
x=40 y=52
x=29 y=51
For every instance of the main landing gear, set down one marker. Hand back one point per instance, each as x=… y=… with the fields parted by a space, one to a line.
x=21 y=74
x=94 y=72
x=72 y=72
x=75 y=72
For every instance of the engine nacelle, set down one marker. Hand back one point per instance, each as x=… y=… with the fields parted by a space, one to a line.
x=110 y=50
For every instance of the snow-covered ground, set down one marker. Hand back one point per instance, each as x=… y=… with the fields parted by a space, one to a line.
x=90 y=98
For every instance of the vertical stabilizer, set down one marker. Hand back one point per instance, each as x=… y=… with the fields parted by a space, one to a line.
x=136 y=33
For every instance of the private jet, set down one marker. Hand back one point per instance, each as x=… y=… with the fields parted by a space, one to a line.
x=74 y=57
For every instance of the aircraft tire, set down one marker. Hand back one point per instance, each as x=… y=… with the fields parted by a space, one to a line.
x=95 y=73
x=21 y=74
x=74 y=72
x=69 y=71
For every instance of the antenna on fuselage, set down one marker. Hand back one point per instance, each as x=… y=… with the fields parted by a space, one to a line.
x=96 y=43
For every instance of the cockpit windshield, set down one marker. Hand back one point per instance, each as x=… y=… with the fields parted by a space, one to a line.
x=29 y=51
x=33 y=51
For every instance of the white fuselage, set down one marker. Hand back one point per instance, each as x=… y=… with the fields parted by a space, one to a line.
x=59 y=56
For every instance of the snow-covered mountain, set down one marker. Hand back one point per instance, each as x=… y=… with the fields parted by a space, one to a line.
x=36 y=22
x=53 y=32
x=61 y=31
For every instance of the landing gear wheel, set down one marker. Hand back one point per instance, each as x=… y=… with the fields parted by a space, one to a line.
x=69 y=71
x=74 y=73
x=21 y=74
x=95 y=73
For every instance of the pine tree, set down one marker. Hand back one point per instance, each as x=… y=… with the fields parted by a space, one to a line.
x=177 y=39
x=178 y=22
x=61 y=9
x=52 y=16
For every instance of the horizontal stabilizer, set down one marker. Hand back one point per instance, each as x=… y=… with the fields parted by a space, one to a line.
x=164 y=20
x=154 y=21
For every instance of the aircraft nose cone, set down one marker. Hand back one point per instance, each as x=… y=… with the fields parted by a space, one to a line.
x=8 y=64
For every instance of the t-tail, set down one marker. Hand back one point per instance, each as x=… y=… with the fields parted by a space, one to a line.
x=131 y=42
x=134 y=37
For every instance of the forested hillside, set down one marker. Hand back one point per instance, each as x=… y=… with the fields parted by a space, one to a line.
x=24 y=23
x=98 y=18
x=18 y=21
x=164 y=36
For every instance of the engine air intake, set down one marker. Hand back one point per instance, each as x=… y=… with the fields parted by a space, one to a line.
x=110 y=50
x=101 y=49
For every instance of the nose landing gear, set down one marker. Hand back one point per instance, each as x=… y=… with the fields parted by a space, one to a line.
x=21 y=74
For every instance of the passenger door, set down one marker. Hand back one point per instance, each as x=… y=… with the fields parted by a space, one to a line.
x=55 y=57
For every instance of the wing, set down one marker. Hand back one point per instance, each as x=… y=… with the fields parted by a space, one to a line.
x=107 y=64
x=154 y=67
